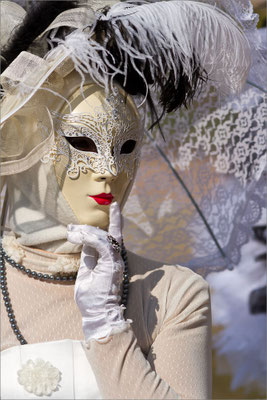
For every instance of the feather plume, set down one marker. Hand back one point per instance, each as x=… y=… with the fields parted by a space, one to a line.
x=173 y=45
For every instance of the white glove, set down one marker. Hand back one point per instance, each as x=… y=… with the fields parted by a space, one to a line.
x=99 y=278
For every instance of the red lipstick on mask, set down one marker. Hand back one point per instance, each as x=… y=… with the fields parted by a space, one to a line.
x=104 y=199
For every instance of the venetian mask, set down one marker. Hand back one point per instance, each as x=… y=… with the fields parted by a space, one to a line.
x=96 y=152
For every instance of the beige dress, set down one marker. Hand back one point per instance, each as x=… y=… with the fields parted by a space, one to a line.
x=165 y=355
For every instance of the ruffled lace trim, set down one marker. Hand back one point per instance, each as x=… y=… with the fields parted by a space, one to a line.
x=64 y=264
x=13 y=249
x=18 y=253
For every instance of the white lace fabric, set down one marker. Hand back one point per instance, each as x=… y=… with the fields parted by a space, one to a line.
x=170 y=227
x=230 y=133
x=218 y=149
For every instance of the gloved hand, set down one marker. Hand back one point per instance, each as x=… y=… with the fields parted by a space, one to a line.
x=99 y=278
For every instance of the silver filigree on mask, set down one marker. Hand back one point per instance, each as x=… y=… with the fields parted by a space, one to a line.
x=109 y=127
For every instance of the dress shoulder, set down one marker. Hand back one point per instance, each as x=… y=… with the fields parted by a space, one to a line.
x=178 y=289
x=175 y=273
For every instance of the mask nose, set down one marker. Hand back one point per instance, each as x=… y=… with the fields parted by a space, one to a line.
x=107 y=176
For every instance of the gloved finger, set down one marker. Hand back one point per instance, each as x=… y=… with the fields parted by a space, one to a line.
x=81 y=233
x=90 y=237
x=75 y=237
x=85 y=237
x=89 y=257
x=83 y=278
x=88 y=229
x=115 y=222
x=83 y=270
x=87 y=264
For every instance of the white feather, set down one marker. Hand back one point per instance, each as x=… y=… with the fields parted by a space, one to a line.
x=180 y=29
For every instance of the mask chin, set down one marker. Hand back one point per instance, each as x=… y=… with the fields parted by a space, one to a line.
x=77 y=194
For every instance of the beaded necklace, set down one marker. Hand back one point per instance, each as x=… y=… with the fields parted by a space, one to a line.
x=48 y=278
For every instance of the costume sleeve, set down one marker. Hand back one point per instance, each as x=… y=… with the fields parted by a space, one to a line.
x=178 y=365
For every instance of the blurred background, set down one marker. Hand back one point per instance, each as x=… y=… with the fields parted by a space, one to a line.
x=260 y=8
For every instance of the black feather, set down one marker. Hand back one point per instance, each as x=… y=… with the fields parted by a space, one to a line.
x=173 y=94
x=37 y=19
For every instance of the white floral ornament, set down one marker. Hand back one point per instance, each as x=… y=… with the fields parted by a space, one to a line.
x=39 y=377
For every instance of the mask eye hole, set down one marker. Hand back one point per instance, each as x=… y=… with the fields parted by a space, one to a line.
x=128 y=147
x=82 y=143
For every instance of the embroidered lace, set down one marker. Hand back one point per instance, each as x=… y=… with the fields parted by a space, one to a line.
x=218 y=149
x=230 y=133
x=170 y=227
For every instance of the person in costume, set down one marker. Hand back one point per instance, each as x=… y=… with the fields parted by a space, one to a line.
x=74 y=83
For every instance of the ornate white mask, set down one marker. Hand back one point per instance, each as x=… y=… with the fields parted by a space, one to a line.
x=108 y=139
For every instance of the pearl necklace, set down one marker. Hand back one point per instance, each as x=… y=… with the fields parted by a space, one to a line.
x=48 y=278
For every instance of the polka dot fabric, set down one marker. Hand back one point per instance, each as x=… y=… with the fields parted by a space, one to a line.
x=164 y=355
